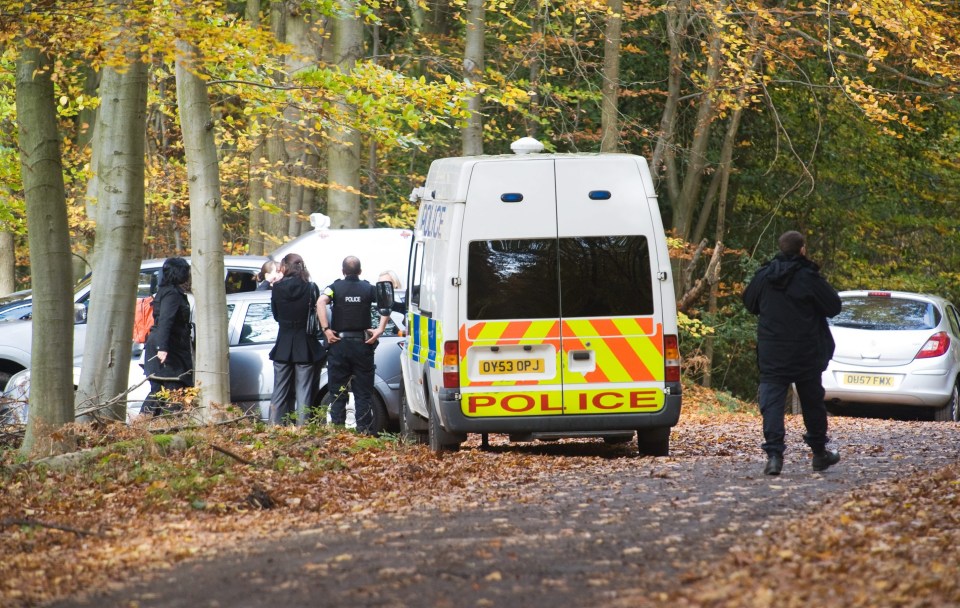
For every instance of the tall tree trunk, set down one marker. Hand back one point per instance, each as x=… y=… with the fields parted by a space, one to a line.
x=610 y=90
x=212 y=373
x=276 y=183
x=51 y=393
x=536 y=69
x=663 y=163
x=8 y=263
x=473 y=68
x=255 y=241
x=343 y=152
x=121 y=145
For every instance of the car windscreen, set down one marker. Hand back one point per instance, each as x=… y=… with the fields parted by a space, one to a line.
x=598 y=276
x=886 y=313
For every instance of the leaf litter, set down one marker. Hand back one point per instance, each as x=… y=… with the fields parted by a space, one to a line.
x=144 y=503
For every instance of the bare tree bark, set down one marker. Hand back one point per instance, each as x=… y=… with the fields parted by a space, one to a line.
x=610 y=89
x=51 y=395
x=206 y=232
x=120 y=145
x=473 y=67
x=255 y=193
x=343 y=152
x=8 y=263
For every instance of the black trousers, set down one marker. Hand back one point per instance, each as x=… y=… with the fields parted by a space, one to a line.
x=293 y=391
x=351 y=358
x=773 y=398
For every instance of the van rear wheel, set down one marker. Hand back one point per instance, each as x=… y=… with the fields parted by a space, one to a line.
x=439 y=439
x=654 y=441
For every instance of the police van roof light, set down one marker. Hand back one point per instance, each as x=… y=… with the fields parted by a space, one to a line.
x=526 y=145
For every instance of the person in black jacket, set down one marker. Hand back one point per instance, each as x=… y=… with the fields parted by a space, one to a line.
x=794 y=345
x=168 y=349
x=352 y=343
x=296 y=356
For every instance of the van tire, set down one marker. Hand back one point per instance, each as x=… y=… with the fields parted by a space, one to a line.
x=439 y=439
x=410 y=423
x=380 y=417
x=654 y=441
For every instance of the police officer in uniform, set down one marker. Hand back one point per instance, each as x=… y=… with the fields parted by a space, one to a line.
x=352 y=342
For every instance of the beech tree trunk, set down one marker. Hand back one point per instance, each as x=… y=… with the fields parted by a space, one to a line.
x=473 y=73
x=118 y=247
x=610 y=90
x=51 y=392
x=343 y=152
x=211 y=372
x=8 y=263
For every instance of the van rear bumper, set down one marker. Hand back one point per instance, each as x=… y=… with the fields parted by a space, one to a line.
x=453 y=420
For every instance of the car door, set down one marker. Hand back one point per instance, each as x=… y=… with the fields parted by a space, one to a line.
x=253 y=332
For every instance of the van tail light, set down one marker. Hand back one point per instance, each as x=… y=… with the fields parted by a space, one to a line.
x=937 y=345
x=671 y=359
x=451 y=364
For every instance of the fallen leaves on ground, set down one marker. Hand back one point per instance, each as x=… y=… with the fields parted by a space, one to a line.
x=143 y=502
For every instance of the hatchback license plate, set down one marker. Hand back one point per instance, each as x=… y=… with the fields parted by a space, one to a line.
x=511 y=366
x=868 y=380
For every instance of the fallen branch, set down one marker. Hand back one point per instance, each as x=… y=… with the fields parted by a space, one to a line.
x=231 y=454
x=40 y=524
x=710 y=276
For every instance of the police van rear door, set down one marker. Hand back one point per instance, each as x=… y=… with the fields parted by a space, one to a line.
x=509 y=334
x=611 y=306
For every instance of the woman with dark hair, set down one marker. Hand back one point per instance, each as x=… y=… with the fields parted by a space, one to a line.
x=296 y=356
x=168 y=352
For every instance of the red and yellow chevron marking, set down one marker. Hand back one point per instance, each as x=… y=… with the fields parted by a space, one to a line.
x=626 y=349
x=509 y=332
x=553 y=403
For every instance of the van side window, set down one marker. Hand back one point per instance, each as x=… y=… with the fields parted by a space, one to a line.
x=416 y=271
x=599 y=276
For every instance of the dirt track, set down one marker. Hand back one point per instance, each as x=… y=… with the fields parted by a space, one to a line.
x=611 y=526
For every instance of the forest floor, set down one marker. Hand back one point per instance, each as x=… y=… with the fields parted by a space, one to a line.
x=248 y=515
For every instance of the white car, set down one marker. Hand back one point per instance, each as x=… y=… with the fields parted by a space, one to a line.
x=240 y=274
x=895 y=348
x=251 y=334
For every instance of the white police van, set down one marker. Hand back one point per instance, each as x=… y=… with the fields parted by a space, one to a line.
x=540 y=302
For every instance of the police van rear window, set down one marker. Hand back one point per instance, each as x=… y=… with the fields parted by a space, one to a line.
x=602 y=276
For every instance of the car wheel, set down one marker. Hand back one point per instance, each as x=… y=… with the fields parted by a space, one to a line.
x=439 y=439
x=380 y=417
x=654 y=442
x=951 y=411
x=409 y=430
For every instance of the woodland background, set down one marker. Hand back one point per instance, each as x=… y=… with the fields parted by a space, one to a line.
x=838 y=119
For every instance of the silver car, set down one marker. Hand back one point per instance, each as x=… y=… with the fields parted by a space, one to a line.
x=240 y=274
x=895 y=348
x=251 y=333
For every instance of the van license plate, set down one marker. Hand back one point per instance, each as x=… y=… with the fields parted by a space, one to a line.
x=868 y=380
x=511 y=366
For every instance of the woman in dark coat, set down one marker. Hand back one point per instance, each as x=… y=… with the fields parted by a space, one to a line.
x=296 y=356
x=168 y=351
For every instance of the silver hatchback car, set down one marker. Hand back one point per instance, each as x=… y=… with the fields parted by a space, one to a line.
x=895 y=348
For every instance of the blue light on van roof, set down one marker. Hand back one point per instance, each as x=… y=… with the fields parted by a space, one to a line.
x=599 y=195
x=511 y=197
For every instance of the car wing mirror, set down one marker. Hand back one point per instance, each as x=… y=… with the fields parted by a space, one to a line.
x=384 y=297
x=79 y=314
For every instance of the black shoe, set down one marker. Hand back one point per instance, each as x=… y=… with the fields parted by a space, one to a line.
x=825 y=459
x=774 y=464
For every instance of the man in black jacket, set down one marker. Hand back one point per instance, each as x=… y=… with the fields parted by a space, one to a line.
x=794 y=345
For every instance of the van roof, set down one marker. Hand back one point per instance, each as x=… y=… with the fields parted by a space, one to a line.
x=323 y=251
x=449 y=178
